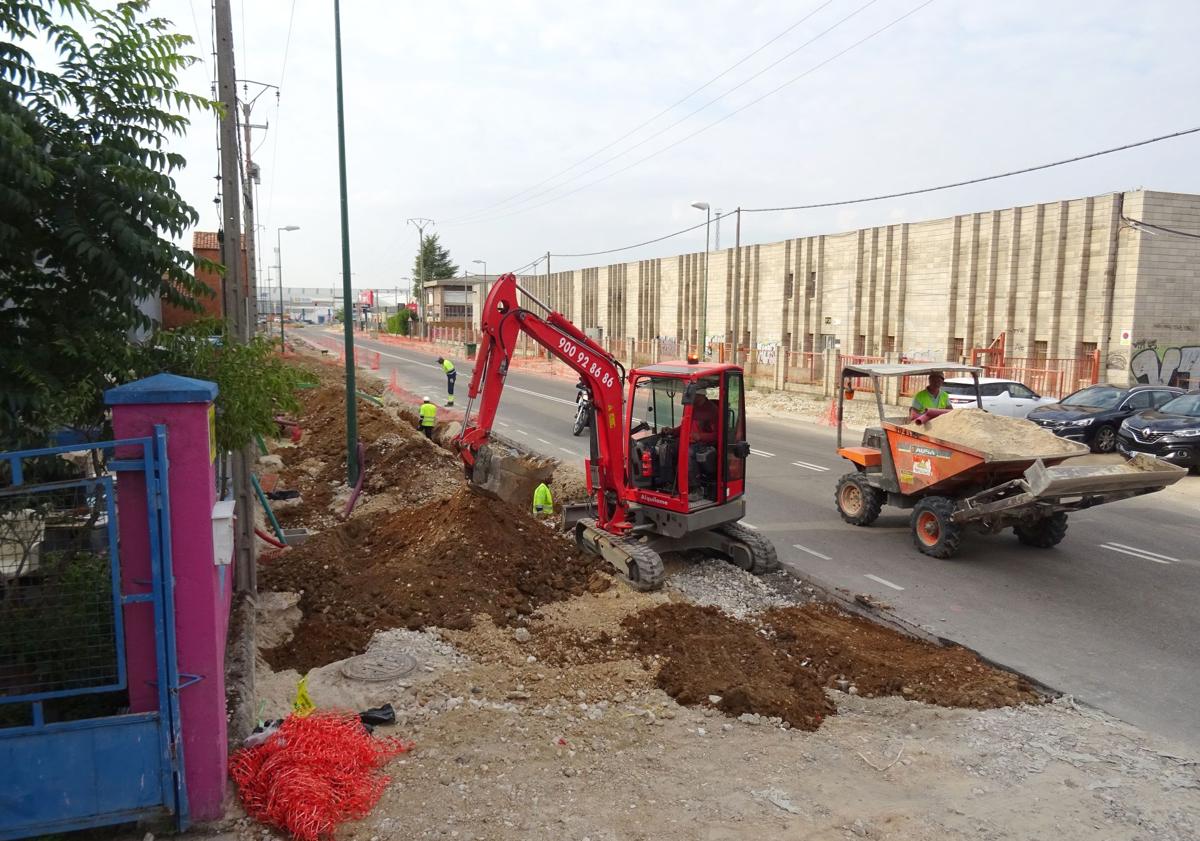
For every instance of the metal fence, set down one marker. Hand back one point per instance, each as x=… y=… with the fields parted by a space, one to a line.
x=804 y=368
x=1049 y=377
x=858 y=383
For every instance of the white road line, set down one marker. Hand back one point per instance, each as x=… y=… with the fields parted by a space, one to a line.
x=568 y=452
x=749 y=525
x=539 y=394
x=762 y=453
x=883 y=581
x=1115 y=548
x=1167 y=558
x=808 y=466
x=522 y=432
x=812 y=552
x=544 y=441
x=502 y=423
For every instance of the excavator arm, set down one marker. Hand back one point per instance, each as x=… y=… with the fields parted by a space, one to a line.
x=503 y=319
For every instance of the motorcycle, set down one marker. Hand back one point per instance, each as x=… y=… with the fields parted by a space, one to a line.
x=583 y=409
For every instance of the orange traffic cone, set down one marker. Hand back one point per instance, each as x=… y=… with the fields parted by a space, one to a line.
x=375 y=361
x=831 y=417
x=393 y=385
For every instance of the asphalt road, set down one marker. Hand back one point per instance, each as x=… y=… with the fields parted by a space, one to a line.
x=1110 y=616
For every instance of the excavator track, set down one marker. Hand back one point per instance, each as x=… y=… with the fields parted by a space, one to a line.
x=758 y=555
x=637 y=563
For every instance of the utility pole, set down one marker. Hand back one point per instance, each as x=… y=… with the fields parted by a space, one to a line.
x=251 y=178
x=352 y=465
x=421 y=224
x=737 y=290
x=233 y=288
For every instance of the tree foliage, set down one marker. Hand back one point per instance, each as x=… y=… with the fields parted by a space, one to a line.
x=87 y=193
x=433 y=261
x=398 y=322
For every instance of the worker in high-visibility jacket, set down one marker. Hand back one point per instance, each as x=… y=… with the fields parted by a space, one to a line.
x=543 y=502
x=451 y=376
x=428 y=413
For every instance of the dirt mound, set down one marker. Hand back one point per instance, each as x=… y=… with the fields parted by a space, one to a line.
x=437 y=565
x=879 y=661
x=1002 y=437
x=707 y=653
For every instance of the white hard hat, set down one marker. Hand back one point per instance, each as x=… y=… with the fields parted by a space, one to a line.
x=424 y=399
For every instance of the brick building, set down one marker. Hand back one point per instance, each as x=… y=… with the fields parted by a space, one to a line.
x=206 y=246
x=1041 y=284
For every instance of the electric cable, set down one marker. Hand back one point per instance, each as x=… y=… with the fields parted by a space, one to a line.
x=716 y=122
x=662 y=113
x=1152 y=228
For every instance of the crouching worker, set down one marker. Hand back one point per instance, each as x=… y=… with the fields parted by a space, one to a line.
x=543 y=502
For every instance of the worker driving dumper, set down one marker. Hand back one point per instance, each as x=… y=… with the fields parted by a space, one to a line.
x=933 y=396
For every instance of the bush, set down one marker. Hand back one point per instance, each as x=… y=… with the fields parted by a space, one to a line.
x=399 y=322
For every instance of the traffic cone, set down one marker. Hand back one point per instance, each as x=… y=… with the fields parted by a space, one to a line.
x=831 y=417
x=375 y=361
x=393 y=386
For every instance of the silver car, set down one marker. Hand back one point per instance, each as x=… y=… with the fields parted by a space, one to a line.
x=1001 y=397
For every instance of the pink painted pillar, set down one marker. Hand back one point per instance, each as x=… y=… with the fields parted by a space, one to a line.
x=203 y=583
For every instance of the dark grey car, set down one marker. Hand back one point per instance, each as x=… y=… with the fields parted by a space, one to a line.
x=1093 y=415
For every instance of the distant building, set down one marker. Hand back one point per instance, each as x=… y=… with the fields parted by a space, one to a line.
x=205 y=246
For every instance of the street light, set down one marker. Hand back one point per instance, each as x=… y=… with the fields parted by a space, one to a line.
x=703 y=205
x=482 y=290
x=279 y=273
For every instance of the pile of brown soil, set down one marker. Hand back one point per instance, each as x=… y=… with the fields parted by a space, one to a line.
x=1001 y=437
x=437 y=565
x=880 y=661
x=705 y=652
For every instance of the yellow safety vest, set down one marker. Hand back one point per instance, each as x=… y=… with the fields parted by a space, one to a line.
x=543 y=503
x=428 y=414
x=923 y=400
x=447 y=365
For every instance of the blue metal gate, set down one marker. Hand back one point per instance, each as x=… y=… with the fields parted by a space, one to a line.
x=72 y=754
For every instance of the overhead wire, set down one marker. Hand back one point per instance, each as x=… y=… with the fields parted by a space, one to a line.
x=287 y=43
x=645 y=123
x=1151 y=228
x=844 y=202
x=718 y=121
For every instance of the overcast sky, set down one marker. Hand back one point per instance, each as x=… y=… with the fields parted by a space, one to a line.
x=453 y=108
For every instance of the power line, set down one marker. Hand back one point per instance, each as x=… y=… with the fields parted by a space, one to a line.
x=844 y=202
x=287 y=43
x=1009 y=174
x=661 y=113
x=1138 y=224
x=720 y=120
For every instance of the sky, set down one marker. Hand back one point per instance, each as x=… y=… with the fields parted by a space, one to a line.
x=467 y=112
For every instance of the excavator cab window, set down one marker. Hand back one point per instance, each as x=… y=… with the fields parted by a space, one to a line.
x=735 y=444
x=654 y=438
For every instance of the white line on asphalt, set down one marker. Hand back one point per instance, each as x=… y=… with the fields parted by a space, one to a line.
x=761 y=453
x=565 y=450
x=522 y=432
x=502 y=423
x=1145 y=551
x=1145 y=556
x=749 y=525
x=812 y=552
x=808 y=466
x=544 y=441
x=883 y=581
x=539 y=394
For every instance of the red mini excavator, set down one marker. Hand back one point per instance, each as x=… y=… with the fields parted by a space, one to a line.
x=667 y=471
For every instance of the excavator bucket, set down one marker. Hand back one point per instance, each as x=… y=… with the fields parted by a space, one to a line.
x=503 y=471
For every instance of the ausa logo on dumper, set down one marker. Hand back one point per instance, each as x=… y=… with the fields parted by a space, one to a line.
x=921 y=450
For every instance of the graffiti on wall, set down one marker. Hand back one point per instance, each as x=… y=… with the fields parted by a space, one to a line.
x=1177 y=366
x=768 y=352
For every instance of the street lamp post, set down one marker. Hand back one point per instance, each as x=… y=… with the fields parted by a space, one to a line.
x=703 y=205
x=279 y=272
x=483 y=288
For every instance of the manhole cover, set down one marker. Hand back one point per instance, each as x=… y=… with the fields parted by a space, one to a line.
x=377 y=666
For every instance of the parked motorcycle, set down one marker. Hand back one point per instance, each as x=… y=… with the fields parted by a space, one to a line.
x=583 y=409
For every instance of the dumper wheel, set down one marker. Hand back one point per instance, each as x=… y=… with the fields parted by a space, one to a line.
x=755 y=553
x=934 y=533
x=857 y=500
x=1043 y=533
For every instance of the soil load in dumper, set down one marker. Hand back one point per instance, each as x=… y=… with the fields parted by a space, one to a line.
x=997 y=437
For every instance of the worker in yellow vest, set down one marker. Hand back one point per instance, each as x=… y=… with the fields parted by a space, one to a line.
x=543 y=502
x=428 y=413
x=451 y=375
x=933 y=396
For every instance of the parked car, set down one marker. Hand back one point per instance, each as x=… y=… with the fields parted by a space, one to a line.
x=1171 y=432
x=1093 y=414
x=1002 y=397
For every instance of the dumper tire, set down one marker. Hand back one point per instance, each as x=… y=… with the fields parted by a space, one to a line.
x=934 y=533
x=1044 y=533
x=858 y=501
x=761 y=551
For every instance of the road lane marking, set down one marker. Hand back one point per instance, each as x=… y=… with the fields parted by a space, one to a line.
x=808 y=466
x=568 y=452
x=883 y=581
x=1137 y=553
x=812 y=552
x=762 y=453
x=749 y=525
x=522 y=432
x=502 y=423
x=1167 y=558
x=544 y=441
x=539 y=394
